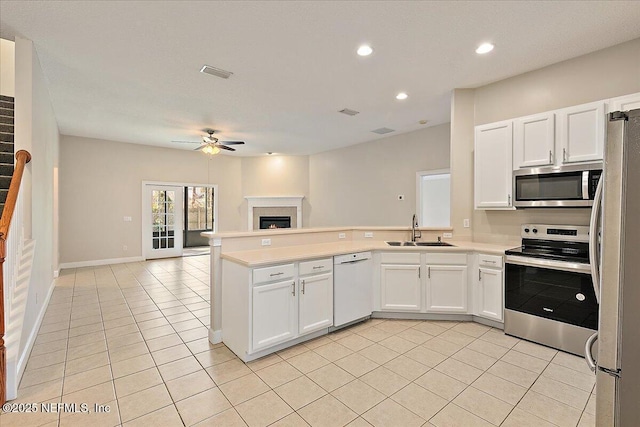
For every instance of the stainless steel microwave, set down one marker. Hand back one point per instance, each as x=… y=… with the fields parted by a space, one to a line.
x=556 y=186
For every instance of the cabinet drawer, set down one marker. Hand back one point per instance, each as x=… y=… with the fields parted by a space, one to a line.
x=400 y=258
x=316 y=266
x=459 y=259
x=270 y=274
x=489 y=261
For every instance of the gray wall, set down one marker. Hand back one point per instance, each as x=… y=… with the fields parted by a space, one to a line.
x=37 y=131
x=600 y=75
x=359 y=185
x=101 y=182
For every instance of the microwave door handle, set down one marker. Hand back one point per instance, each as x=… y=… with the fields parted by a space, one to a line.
x=594 y=246
x=585 y=185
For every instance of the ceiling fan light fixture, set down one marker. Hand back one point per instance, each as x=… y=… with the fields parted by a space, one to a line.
x=210 y=149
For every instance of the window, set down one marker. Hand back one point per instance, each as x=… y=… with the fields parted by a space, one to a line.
x=433 y=190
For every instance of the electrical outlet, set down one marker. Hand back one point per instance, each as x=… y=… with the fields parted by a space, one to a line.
x=342 y=236
x=368 y=234
x=125 y=248
x=465 y=223
x=447 y=235
x=127 y=219
x=266 y=242
x=400 y=196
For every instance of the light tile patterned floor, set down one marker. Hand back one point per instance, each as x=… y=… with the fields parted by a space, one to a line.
x=134 y=337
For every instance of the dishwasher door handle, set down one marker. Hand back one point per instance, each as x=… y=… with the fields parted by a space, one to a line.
x=354 y=261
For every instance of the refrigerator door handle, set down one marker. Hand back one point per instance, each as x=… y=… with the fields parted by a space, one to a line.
x=594 y=249
x=588 y=352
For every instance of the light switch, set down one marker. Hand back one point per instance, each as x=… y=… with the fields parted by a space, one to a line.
x=266 y=242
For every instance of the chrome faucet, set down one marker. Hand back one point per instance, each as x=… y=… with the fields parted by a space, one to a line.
x=415 y=234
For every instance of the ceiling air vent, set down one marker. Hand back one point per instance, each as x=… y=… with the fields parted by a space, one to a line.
x=349 y=112
x=382 y=131
x=216 y=71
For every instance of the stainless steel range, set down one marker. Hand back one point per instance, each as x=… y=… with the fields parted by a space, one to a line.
x=549 y=295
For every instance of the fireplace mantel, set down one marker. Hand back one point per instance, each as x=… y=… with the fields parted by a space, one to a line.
x=274 y=202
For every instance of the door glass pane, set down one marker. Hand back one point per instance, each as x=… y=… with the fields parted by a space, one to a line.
x=163 y=219
x=199 y=204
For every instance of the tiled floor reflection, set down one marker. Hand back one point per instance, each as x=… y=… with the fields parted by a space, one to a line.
x=133 y=338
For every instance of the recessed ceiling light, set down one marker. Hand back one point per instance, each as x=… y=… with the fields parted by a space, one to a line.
x=484 y=48
x=402 y=95
x=365 y=50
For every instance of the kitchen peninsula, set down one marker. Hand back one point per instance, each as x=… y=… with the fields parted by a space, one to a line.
x=273 y=289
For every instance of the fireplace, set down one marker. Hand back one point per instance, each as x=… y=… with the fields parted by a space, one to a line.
x=270 y=222
x=274 y=206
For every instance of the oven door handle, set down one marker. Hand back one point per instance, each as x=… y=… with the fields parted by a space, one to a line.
x=549 y=264
x=594 y=248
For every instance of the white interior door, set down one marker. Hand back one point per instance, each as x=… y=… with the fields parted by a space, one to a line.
x=163 y=221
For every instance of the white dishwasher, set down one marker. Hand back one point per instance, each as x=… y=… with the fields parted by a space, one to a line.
x=352 y=287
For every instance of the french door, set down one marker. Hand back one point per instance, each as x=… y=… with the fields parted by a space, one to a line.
x=163 y=221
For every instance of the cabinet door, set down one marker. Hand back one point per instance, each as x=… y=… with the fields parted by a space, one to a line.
x=493 y=166
x=534 y=141
x=581 y=132
x=401 y=287
x=274 y=314
x=315 y=303
x=447 y=288
x=490 y=302
x=625 y=103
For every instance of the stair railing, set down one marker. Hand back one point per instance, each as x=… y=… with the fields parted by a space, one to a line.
x=10 y=242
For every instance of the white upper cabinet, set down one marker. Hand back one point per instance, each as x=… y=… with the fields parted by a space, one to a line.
x=625 y=103
x=581 y=133
x=534 y=141
x=493 y=166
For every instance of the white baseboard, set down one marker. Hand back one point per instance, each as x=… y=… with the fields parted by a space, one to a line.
x=24 y=357
x=97 y=262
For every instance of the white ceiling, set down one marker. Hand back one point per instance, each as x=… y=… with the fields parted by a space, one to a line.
x=129 y=71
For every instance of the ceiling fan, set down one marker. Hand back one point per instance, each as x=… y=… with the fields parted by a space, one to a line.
x=211 y=145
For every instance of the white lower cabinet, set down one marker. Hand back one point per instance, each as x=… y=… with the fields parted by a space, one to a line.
x=489 y=288
x=274 y=317
x=315 y=303
x=447 y=288
x=401 y=287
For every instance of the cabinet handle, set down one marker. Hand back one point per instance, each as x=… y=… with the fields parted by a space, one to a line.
x=419 y=272
x=317 y=266
x=550 y=157
x=564 y=154
x=479 y=274
x=302 y=282
x=293 y=289
x=276 y=274
x=508 y=199
x=429 y=272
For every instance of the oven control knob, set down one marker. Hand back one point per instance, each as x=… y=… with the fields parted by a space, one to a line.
x=526 y=230
x=535 y=230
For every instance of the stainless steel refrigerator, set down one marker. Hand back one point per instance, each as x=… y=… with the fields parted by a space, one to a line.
x=615 y=264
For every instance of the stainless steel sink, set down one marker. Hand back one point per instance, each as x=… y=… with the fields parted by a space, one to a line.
x=418 y=244
x=433 y=244
x=400 y=243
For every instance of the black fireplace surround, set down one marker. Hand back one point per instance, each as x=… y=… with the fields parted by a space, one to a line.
x=268 y=222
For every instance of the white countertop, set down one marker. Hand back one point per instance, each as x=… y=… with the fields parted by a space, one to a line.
x=261 y=257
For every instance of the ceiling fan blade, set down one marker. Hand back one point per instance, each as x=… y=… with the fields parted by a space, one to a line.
x=231 y=142
x=224 y=147
x=188 y=142
x=200 y=147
